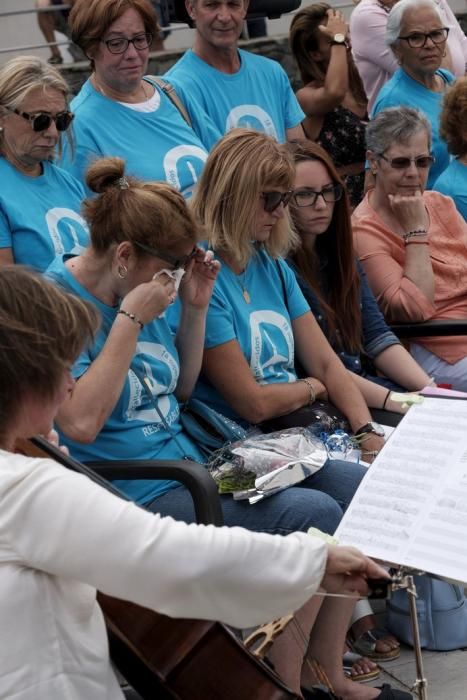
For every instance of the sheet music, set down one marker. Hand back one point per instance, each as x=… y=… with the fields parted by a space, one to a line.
x=411 y=507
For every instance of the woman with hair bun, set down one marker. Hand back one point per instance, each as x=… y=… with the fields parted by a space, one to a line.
x=143 y=241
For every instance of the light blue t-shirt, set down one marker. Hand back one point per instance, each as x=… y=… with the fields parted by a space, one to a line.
x=262 y=328
x=134 y=430
x=40 y=216
x=258 y=96
x=157 y=145
x=401 y=89
x=453 y=182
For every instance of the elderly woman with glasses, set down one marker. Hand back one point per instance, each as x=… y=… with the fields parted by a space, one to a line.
x=39 y=202
x=376 y=62
x=417 y=36
x=412 y=243
x=118 y=111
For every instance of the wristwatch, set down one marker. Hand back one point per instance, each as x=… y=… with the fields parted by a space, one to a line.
x=371 y=427
x=339 y=39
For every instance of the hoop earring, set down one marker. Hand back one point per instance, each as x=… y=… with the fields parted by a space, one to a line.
x=122 y=271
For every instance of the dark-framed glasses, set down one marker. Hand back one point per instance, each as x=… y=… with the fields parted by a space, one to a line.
x=272 y=200
x=177 y=263
x=121 y=43
x=404 y=162
x=308 y=198
x=40 y=121
x=417 y=40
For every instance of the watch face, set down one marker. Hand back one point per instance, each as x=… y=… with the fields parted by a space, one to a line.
x=339 y=38
x=377 y=429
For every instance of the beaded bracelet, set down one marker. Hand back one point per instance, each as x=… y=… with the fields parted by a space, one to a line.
x=132 y=317
x=413 y=234
x=311 y=388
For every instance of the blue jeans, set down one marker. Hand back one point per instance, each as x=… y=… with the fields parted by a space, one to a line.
x=319 y=501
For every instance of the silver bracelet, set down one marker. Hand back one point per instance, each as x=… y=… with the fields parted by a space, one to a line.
x=311 y=388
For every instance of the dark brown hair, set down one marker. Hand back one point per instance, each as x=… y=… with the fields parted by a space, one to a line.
x=89 y=20
x=42 y=332
x=303 y=38
x=127 y=209
x=453 y=122
x=342 y=308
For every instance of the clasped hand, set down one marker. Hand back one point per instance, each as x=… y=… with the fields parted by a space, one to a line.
x=409 y=210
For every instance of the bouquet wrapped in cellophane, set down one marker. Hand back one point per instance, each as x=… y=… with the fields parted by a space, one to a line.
x=264 y=464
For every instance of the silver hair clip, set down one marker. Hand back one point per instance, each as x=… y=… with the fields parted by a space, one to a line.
x=123 y=183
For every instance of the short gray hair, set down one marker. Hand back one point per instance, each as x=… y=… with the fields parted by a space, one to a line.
x=396 y=16
x=19 y=76
x=395 y=125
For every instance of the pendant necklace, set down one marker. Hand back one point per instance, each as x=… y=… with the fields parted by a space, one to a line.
x=241 y=278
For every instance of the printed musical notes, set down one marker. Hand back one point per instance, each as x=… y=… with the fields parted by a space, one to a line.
x=411 y=507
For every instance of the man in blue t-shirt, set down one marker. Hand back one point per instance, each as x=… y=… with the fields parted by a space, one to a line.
x=234 y=88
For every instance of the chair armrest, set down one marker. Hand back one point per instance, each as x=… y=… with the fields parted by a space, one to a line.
x=427 y=329
x=195 y=477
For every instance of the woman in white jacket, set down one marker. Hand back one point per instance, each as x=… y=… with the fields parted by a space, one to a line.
x=62 y=536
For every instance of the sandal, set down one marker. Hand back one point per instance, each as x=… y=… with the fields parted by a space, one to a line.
x=351 y=659
x=365 y=645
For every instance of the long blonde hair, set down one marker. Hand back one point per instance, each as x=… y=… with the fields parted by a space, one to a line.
x=240 y=167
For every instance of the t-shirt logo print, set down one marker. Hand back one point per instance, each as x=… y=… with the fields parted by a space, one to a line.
x=184 y=157
x=161 y=362
x=62 y=231
x=272 y=347
x=251 y=117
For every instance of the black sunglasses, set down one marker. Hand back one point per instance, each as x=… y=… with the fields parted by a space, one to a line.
x=404 y=162
x=166 y=257
x=42 y=120
x=272 y=200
